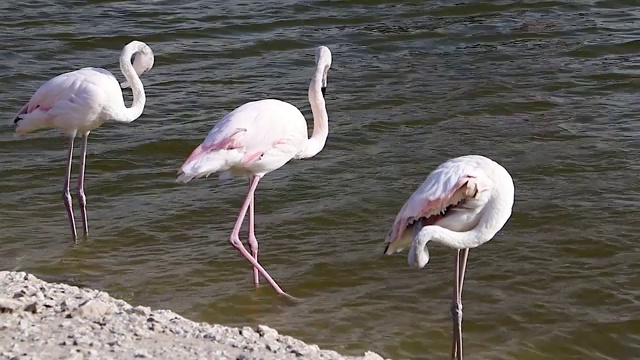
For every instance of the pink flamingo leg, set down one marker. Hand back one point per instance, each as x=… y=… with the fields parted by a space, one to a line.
x=66 y=196
x=82 y=199
x=235 y=238
x=460 y=266
x=253 y=242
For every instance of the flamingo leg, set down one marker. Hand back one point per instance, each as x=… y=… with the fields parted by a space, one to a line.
x=253 y=242
x=66 y=195
x=82 y=198
x=460 y=266
x=236 y=243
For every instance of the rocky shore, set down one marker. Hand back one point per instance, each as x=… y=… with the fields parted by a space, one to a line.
x=41 y=320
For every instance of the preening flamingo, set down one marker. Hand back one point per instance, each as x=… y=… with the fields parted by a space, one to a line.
x=257 y=138
x=462 y=204
x=82 y=100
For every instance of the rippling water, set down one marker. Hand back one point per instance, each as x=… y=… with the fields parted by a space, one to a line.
x=547 y=88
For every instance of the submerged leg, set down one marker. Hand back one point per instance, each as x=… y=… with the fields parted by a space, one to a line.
x=253 y=242
x=82 y=199
x=235 y=239
x=66 y=196
x=460 y=266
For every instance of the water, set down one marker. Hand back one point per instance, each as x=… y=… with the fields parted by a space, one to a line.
x=547 y=88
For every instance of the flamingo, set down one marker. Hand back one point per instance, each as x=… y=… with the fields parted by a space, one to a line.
x=78 y=102
x=259 y=137
x=462 y=204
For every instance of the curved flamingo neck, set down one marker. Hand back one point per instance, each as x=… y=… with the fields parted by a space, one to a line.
x=139 y=98
x=320 y=117
x=495 y=214
x=454 y=239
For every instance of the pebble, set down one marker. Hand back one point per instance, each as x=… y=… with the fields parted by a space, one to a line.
x=66 y=322
x=8 y=305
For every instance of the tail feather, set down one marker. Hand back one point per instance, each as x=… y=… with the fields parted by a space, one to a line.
x=400 y=243
x=202 y=163
x=22 y=111
x=35 y=120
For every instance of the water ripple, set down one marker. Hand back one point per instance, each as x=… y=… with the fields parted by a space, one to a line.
x=545 y=87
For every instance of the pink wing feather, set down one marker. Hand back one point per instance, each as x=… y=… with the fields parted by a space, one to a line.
x=69 y=96
x=241 y=137
x=441 y=188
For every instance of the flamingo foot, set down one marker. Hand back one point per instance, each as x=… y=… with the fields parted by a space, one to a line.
x=460 y=265
x=66 y=197
x=234 y=239
x=82 y=200
x=253 y=244
x=236 y=243
x=456 y=314
x=290 y=298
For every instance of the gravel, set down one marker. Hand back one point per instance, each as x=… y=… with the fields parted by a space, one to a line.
x=40 y=320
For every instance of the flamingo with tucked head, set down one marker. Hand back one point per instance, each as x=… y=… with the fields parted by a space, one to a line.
x=78 y=102
x=257 y=138
x=462 y=204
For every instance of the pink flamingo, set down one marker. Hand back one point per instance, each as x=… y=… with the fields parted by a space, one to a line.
x=82 y=100
x=257 y=138
x=462 y=204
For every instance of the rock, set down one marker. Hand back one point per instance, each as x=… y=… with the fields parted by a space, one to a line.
x=368 y=355
x=247 y=332
x=9 y=305
x=275 y=347
x=92 y=309
x=32 y=308
x=141 y=354
x=141 y=310
x=267 y=332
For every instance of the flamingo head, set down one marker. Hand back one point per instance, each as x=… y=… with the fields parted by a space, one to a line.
x=142 y=59
x=323 y=62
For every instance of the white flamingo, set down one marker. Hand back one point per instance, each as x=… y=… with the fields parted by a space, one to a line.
x=82 y=100
x=257 y=138
x=462 y=204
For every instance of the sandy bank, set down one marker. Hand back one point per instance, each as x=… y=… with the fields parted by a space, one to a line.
x=40 y=320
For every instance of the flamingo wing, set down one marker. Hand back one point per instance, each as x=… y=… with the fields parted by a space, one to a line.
x=451 y=183
x=256 y=126
x=244 y=135
x=67 y=88
x=242 y=130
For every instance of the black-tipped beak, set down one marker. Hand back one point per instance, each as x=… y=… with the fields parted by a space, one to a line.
x=324 y=90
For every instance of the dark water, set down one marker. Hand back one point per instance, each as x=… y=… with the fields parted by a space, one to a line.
x=547 y=88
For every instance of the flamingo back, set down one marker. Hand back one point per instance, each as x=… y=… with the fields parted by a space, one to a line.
x=255 y=138
x=77 y=100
